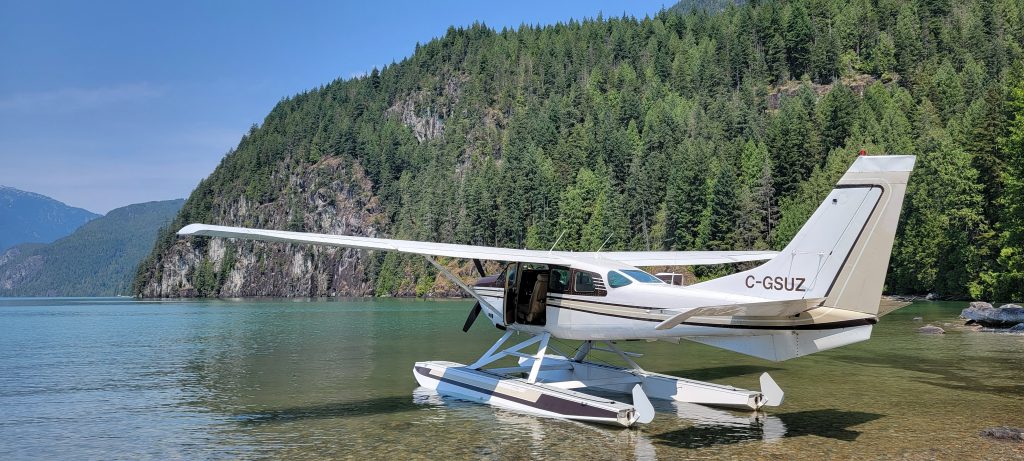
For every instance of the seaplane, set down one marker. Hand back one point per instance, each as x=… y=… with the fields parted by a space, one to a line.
x=822 y=291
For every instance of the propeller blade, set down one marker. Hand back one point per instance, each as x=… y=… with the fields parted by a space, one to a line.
x=473 y=313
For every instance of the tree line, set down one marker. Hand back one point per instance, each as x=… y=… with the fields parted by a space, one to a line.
x=686 y=130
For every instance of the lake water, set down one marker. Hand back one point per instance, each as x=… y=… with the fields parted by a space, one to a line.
x=282 y=379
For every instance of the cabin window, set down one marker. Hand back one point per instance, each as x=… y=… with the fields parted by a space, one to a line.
x=559 y=280
x=641 y=276
x=616 y=280
x=584 y=282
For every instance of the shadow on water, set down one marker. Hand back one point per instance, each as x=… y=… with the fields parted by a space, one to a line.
x=831 y=423
x=948 y=375
x=369 y=407
x=728 y=371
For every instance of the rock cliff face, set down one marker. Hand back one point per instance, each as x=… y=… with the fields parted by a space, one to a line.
x=29 y=264
x=330 y=196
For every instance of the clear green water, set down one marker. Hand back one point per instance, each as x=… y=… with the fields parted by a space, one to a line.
x=122 y=379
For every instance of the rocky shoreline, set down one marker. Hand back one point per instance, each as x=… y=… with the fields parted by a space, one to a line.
x=980 y=316
x=1008 y=317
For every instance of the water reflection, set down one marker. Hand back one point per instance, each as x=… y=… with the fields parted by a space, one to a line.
x=708 y=427
x=748 y=425
x=715 y=427
x=367 y=407
x=536 y=435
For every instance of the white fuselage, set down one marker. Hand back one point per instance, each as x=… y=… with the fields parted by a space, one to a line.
x=633 y=311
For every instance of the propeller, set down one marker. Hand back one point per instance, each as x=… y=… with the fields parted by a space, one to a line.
x=475 y=311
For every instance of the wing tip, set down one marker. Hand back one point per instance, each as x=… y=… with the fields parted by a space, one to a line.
x=191 y=229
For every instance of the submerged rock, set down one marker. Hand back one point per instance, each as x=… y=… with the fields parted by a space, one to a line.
x=931 y=330
x=918 y=319
x=1015 y=434
x=984 y=314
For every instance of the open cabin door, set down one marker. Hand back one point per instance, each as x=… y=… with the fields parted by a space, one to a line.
x=511 y=289
x=526 y=287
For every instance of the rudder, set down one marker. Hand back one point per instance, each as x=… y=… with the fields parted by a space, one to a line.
x=842 y=252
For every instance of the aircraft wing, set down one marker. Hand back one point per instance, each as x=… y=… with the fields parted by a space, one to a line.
x=682 y=258
x=631 y=258
x=768 y=308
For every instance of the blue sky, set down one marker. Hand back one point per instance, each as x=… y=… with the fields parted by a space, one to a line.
x=108 y=103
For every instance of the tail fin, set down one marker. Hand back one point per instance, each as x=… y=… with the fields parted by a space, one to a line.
x=842 y=252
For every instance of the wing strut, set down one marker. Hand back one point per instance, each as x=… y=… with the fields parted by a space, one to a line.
x=456 y=280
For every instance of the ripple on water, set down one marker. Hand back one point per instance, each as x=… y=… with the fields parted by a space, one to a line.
x=102 y=379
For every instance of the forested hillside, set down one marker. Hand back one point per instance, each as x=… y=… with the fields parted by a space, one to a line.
x=688 y=130
x=98 y=259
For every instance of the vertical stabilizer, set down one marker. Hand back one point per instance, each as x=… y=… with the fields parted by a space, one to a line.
x=842 y=252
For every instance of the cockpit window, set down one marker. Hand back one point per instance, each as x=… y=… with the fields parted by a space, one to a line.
x=641 y=276
x=616 y=280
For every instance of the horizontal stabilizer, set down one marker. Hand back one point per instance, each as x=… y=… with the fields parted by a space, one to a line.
x=758 y=309
x=785 y=345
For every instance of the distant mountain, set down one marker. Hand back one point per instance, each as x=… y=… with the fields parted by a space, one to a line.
x=98 y=259
x=30 y=217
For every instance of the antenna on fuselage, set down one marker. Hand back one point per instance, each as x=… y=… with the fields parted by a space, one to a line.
x=612 y=233
x=557 y=240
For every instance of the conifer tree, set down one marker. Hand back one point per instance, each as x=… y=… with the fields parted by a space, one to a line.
x=799 y=38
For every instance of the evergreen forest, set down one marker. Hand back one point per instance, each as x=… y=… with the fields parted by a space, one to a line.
x=97 y=259
x=692 y=129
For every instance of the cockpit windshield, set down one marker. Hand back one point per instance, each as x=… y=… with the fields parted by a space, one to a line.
x=616 y=280
x=641 y=276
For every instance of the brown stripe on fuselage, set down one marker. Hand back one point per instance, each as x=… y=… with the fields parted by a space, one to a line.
x=830 y=325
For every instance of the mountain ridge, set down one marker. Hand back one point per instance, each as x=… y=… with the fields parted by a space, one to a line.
x=32 y=217
x=98 y=259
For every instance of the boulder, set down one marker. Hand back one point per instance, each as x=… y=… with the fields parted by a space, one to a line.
x=931 y=330
x=984 y=314
x=1018 y=328
x=1014 y=434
